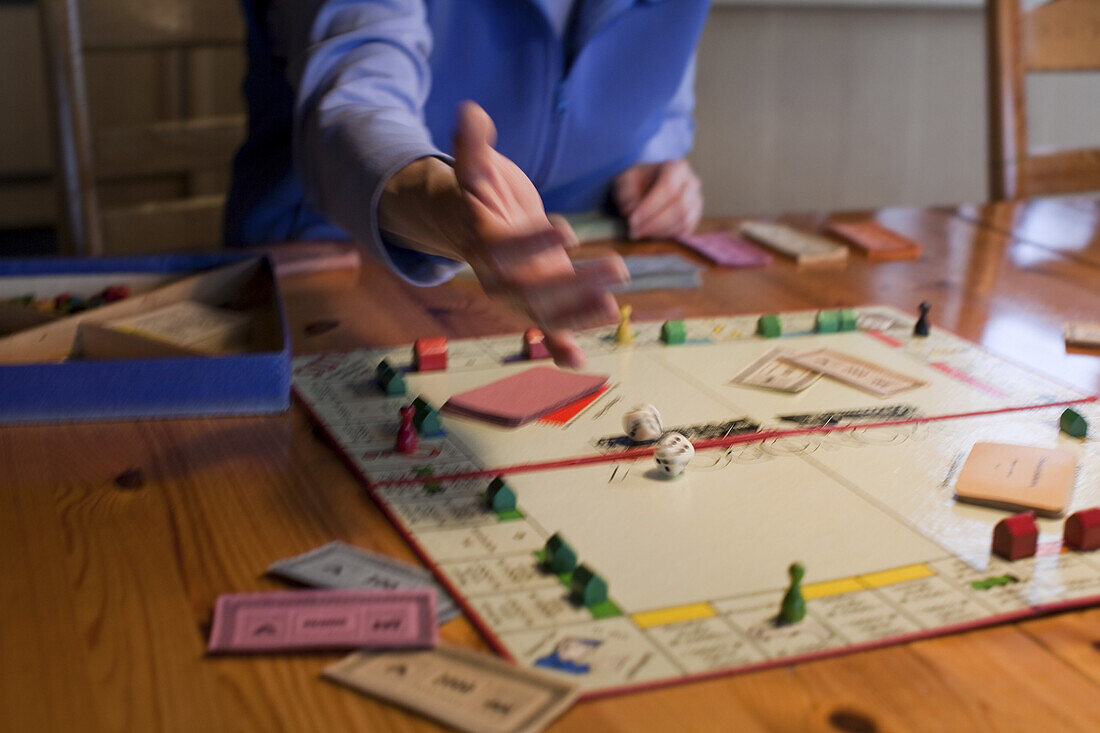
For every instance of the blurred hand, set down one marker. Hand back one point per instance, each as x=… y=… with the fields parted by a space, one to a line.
x=518 y=253
x=659 y=200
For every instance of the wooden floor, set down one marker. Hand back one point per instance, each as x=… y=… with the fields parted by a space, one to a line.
x=115 y=538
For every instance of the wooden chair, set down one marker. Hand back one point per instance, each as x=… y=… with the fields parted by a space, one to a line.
x=1062 y=35
x=179 y=144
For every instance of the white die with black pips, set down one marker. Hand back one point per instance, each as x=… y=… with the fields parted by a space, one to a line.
x=673 y=453
x=643 y=424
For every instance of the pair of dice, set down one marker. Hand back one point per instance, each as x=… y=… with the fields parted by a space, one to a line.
x=643 y=424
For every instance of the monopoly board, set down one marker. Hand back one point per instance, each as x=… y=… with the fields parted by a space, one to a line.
x=856 y=487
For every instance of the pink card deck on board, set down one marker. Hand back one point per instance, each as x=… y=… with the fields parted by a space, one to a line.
x=727 y=250
x=524 y=397
x=324 y=619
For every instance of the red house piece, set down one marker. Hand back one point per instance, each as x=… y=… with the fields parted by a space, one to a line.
x=1082 y=530
x=534 y=346
x=430 y=354
x=1015 y=537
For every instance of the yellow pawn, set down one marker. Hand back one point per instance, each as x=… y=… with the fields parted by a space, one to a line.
x=624 y=334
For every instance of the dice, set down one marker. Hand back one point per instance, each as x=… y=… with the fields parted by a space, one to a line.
x=643 y=424
x=673 y=453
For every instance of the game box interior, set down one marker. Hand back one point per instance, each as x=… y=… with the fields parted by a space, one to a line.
x=81 y=366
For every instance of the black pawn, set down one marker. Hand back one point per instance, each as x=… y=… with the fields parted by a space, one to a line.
x=921 y=329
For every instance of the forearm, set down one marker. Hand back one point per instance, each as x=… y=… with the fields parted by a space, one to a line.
x=359 y=70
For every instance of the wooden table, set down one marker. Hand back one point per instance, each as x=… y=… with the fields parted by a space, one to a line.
x=115 y=538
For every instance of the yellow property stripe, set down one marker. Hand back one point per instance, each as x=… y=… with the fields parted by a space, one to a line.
x=830 y=588
x=673 y=615
x=897 y=575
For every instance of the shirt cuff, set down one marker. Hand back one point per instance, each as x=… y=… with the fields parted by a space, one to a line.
x=672 y=142
x=417 y=268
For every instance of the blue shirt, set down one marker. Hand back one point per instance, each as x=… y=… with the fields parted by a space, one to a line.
x=342 y=94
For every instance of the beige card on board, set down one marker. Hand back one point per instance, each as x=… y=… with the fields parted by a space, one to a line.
x=1018 y=477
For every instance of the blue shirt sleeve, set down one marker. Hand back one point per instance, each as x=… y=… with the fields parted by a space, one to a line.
x=677 y=132
x=360 y=73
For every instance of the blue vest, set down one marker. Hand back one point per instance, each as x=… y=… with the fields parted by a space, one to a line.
x=571 y=113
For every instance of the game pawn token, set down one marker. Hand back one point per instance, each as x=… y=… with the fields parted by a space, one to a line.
x=624 y=334
x=534 y=345
x=643 y=424
x=793 y=608
x=406 y=434
x=921 y=327
x=673 y=453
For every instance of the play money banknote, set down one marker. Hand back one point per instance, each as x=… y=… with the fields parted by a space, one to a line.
x=324 y=619
x=340 y=565
x=467 y=690
x=872 y=378
x=770 y=371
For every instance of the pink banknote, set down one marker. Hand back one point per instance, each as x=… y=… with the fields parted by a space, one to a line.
x=727 y=250
x=324 y=619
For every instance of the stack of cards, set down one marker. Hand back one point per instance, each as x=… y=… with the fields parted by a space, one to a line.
x=594 y=226
x=726 y=250
x=1082 y=335
x=1018 y=477
x=659 y=272
x=875 y=241
x=523 y=397
x=805 y=248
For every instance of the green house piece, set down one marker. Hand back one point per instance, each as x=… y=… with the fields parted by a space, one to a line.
x=389 y=379
x=588 y=588
x=426 y=419
x=769 y=327
x=827 y=322
x=560 y=557
x=673 y=332
x=392 y=383
x=1073 y=424
x=847 y=318
x=499 y=496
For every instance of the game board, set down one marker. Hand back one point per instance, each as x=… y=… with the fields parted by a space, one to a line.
x=858 y=488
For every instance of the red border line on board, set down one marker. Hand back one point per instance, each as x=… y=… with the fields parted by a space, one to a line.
x=888 y=340
x=757 y=437
x=965 y=378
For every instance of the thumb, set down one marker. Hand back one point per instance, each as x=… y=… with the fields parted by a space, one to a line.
x=475 y=135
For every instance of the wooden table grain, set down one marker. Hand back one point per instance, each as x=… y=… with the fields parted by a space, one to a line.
x=115 y=538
